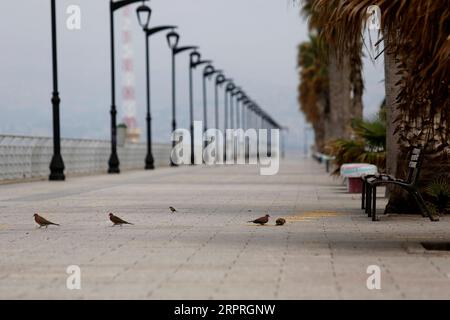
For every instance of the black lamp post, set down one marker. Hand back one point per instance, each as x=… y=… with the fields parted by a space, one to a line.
x=240 y=98
x=255 y=116
x=173 y=39
x=57 y=163
x=228 y=97
x=250 y=122
x=114 y=163
x=244 y=122
x=257 y=126
x=195 y=61
x=238 y=111
x=252 y=115
x=220 y=80
x=208 y=72
x=244 y=110
x=234 y=93
x=229 y=88
x=233 y=116
x=143 y=14
x=260 y=118
x=236 y=108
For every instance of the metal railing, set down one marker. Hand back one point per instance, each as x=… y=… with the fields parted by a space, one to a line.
x=23 y=157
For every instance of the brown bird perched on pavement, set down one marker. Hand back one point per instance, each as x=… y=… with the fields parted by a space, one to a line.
x=116 y=220
x=280 y=221
x=42 y=222
x=262 y=220
x=173 y=209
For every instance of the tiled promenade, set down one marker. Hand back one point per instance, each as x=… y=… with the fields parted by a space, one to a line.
x=207 y=250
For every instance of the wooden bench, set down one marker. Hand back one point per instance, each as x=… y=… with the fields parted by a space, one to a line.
x=371 y=182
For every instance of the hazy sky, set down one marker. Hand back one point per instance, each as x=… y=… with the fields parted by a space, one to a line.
x=253 y=41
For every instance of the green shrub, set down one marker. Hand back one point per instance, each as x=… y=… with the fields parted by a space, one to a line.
x=439 y=191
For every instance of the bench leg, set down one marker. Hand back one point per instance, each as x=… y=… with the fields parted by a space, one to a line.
x=363 y=194
x=374 y=203
x=423 y=207
x=368 y=199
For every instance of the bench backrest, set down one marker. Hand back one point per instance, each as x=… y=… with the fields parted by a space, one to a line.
x=415 y=162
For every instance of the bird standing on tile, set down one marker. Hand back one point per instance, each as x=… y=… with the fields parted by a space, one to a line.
x=172 y=209
x=117 y=221
x=280 y=221
x=261 y=221
x=42 y=222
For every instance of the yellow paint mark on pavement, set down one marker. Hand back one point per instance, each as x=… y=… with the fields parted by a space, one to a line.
x=311 y=215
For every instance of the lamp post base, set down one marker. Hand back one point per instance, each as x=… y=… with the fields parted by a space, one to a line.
x=149 y=162
x=57 y=168
x=192 y=145
x=113 y=163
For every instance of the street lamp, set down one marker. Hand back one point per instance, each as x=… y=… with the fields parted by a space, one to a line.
x=239 y=108
x=220 y=80
x=244 y=117
x=250 y=120
x=195 y=61
x=208 y=72
x=228 y=91
x=114 y=163
x=172 y=40
x=251 y=123
x=234 y=93
x=258 y=116
x=57 y=163
x=233 y=116
x=143 y=14
x=244 y=121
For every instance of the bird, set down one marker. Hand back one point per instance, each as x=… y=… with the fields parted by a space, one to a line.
x=280 y=221
x=262 y=220
x=116 y=220
x=172 y=209
x=42 y=222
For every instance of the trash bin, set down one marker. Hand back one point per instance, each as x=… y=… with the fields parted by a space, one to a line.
x=354 y=172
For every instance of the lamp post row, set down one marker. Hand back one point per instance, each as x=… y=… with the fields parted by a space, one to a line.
x=231 y=91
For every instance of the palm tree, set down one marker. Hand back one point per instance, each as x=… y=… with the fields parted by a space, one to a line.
x=313 y=88
x=417 y=53
x=340 y=99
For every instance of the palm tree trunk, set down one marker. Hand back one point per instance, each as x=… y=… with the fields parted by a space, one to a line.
x=357 y=86
x=340 y=98
x=391 y=77
x=320 y=125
